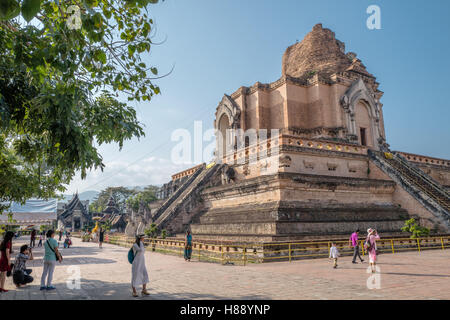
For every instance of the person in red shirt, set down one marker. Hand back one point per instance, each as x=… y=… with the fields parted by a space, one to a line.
x=5 y=258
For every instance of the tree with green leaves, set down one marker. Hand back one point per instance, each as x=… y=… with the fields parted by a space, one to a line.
x=151 y=231
x=143 y=198
x=43 y=228
x=106 y=226
x=60 y=78
x=416 y=231
x=3 y=229
x=119 y=194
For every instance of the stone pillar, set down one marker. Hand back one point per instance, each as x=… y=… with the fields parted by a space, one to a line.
x=353 y=124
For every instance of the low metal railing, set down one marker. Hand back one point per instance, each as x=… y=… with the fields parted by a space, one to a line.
x=282 y=251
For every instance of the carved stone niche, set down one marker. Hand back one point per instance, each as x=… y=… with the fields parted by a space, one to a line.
x=285 y=161
x=229 y=108
x=332 y=166
x=357 y=92
x=246 y=170
x=352 y=137
x=263 y=165
x=353 y=168
x=308 y=164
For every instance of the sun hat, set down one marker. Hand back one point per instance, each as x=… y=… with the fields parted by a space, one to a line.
x=369 y=231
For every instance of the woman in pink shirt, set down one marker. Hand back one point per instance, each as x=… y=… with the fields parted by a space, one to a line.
x=371 y=246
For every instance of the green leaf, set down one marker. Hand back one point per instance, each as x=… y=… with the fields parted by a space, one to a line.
x=9 y=9
x=30 y=8
x=100 y=56
x=92 y=3
x=53 y=120
x=107 y=14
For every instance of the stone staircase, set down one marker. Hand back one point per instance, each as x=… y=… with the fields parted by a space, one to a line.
x=174 y=196
x=418 y=184
x=188 y=192
x=426 y=183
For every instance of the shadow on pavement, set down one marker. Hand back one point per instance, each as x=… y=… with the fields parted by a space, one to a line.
x=417 y=274
x=101 y=290
x=113 y=291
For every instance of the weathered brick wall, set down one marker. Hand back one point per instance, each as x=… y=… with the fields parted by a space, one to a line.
x=439 y=173
x=417 y=210
x=319 y=51
x=295 y=206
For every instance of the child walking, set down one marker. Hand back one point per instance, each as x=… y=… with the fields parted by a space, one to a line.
x=334 y=254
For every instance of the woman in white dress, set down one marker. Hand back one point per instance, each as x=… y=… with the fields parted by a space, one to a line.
x=139 y=275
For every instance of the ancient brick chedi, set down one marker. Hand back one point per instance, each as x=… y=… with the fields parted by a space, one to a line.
x=322 y=170
x=319 y=51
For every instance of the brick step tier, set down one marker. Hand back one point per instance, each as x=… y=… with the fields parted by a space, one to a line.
x=298 y=220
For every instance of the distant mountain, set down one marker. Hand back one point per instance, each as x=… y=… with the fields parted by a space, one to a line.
x=142 y=188
x=86 y=195
x=137 y=188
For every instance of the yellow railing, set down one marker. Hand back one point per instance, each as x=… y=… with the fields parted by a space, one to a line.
x=244 y=254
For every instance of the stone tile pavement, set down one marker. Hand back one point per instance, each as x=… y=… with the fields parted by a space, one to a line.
x=106 y=274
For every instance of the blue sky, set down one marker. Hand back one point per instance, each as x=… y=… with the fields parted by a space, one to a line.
x=217 y=46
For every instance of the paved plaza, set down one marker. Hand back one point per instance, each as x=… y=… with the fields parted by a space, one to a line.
x=106 y=273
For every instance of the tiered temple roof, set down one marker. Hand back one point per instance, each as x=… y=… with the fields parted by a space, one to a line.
x=72 y=205
x=111 y=207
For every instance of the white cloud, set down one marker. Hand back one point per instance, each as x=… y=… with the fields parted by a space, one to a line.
x=152 y=170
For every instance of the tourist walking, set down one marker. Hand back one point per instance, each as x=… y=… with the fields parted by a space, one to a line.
x=41 y=237
x=334 y=254
x=21 y=275
x=354 y=243
x=371 y=246
x=50 y=257
x=60 y=235
x=100 y=237
x=5 y=258
x=139 y=275
x=32 y=238
x=188 y=246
